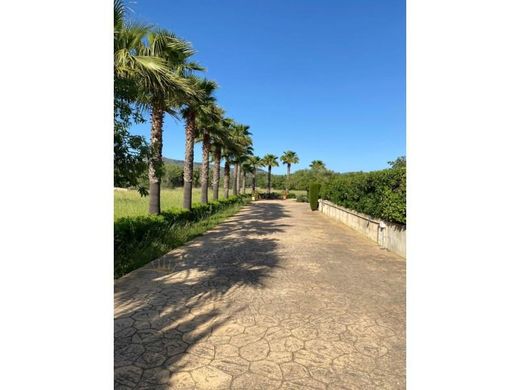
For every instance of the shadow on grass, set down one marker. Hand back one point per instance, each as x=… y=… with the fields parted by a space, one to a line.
x=172 y=309
x=134 y=253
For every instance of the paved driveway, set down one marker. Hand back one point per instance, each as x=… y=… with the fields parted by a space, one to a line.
x=276 y=297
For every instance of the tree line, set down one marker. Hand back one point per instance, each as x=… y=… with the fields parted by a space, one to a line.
x=154 y=73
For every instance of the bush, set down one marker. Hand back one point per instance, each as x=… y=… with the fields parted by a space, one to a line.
x=381 y=194
x=314 y=195
x=272 y=195
x=302 y=198
x=137 y=239
x=291 y=195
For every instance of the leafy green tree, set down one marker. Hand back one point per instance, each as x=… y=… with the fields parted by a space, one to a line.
x=269 y=160
x=399 y=162
x=289 y=157
x=172 y=176
x=278 y=182
x=130 y=151
x=196 y=177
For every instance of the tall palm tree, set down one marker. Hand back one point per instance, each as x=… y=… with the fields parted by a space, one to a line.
x=236 y=174
x=152 y=64
x=246 y=153
x=254 y=163
x=208 y=123
x=176 y=52
x=242 y=147
x=240 y=161
x=317 y=165
x=228 y=150
x=289 y=157
x=192 y=109
x=269 y=160
x=219 y=140
x=245 y=171
x=227 y=172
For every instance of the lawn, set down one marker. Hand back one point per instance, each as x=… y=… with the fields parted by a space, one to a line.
x=128 y=203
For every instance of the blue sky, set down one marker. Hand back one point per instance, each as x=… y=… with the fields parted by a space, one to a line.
x=323 y=78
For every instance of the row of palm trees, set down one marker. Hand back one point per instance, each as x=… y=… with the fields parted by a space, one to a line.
x=153 y=71
x=270 y=160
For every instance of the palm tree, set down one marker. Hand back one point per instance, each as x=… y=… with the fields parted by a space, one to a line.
x=269 y=160
x=219 y=140
x=152 y=66
x=136 y=63
x=242 y=147
x=192 y=109
x=241 y=161
x=245 y=171
x=254 y=162
x=236 y=174
x=227 y=172
x=228 y=150
x=176 y=53
x=317 y=165
x=289 y=157
x=207 y=125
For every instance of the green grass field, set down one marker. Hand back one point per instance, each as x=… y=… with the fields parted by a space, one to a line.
x=130 y=204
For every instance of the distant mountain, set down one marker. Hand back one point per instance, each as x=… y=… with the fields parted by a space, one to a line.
x=179 y=162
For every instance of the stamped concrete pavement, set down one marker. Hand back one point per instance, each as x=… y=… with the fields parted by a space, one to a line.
x=277 y=297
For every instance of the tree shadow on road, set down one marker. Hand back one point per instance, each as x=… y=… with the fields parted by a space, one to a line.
x=170 y=310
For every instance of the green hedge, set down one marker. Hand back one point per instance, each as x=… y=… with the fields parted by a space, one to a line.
x=381 y=194
x=314 y=195
x=138 y=234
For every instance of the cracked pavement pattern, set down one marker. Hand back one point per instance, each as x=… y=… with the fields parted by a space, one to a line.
x=276 y=297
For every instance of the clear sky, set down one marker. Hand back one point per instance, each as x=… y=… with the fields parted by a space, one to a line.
x=323 y=78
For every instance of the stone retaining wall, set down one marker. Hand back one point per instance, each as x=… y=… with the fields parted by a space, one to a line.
x=391 y=236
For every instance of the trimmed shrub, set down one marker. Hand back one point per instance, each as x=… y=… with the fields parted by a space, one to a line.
x=291 y=195
x=141 y=234
x=314 y=195
x=302 y=198
x=381 y=194
x=272 y=195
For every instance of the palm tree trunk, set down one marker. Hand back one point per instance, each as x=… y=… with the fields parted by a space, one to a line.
x=254 y=180
x=204 y=169
x=239 y=177
x=244 y=182
x=227 y=175
x=235 y=175
x=155 y=161
x=287 y=179
x=269 y=180
x=216 y=171
x=188 y=160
